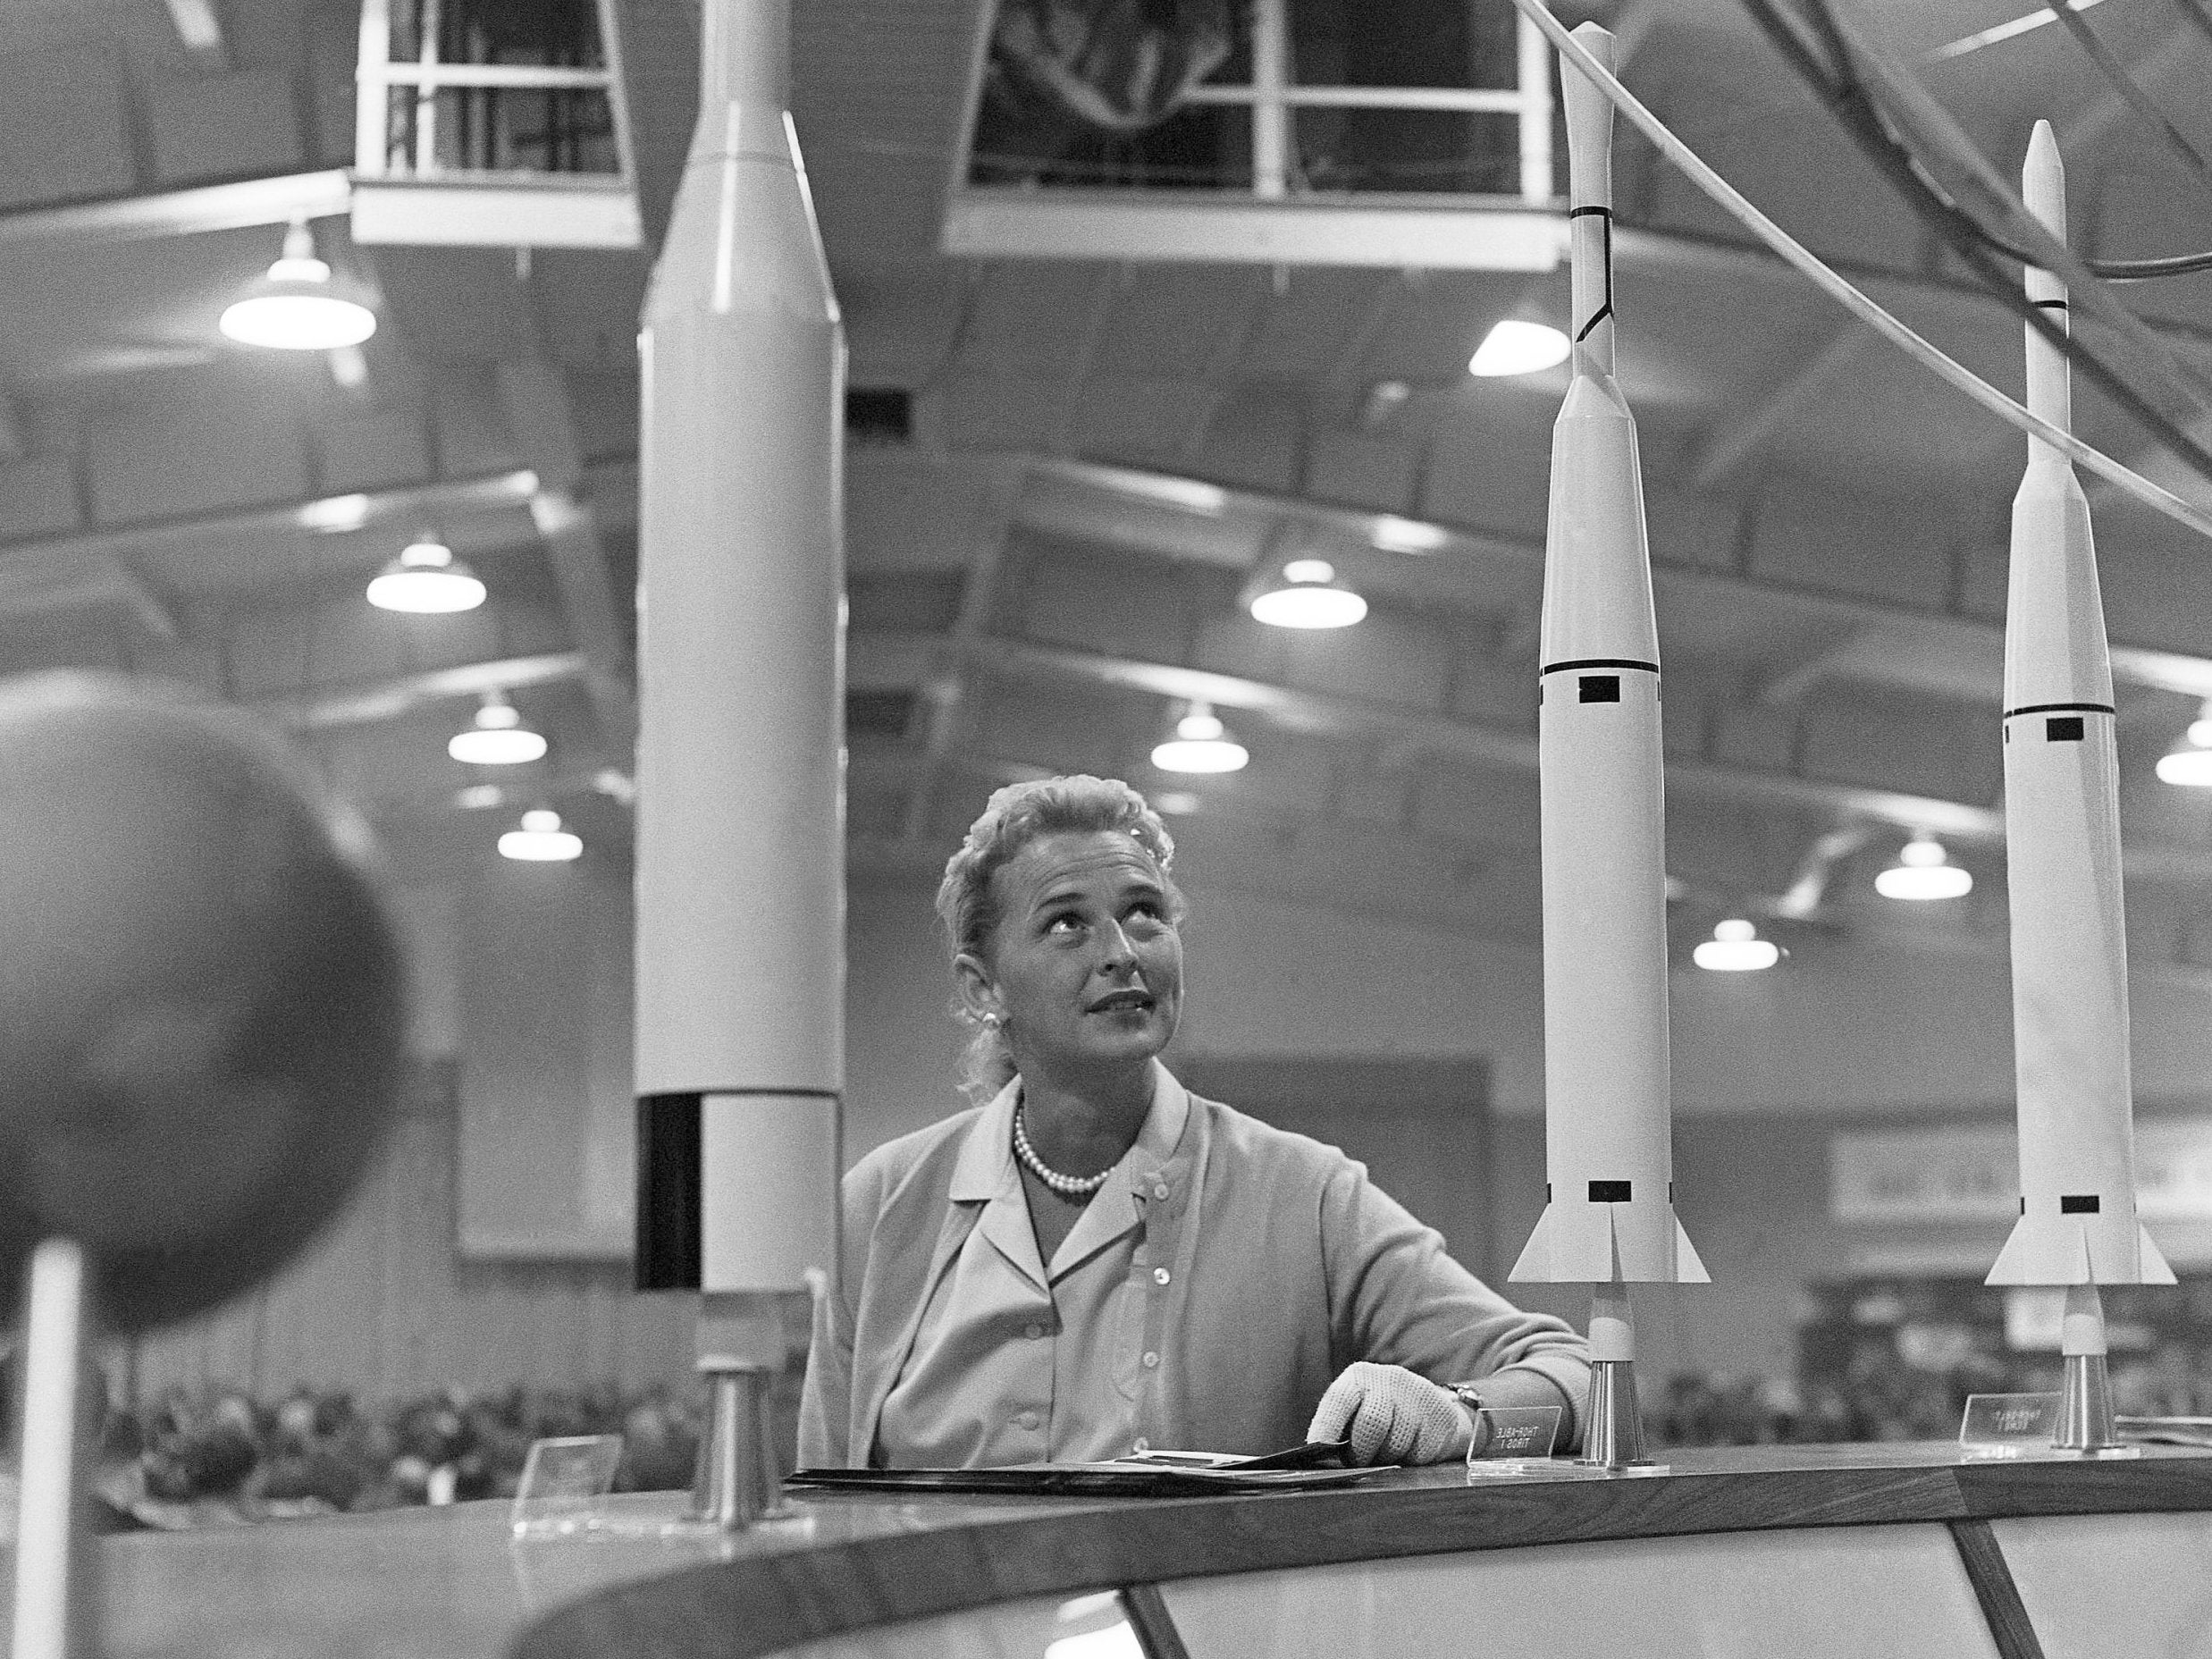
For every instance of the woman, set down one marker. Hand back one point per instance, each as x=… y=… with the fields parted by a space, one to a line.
x=1097 y=1261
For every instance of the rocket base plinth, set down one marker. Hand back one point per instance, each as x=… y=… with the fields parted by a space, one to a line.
x=736 y=1482
x=1613 y=1433
x=2085 y=1422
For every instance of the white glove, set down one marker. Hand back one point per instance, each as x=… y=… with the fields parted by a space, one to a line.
x=1392 y=1416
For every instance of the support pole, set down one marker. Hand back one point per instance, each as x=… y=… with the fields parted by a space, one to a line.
x=1612 y=1428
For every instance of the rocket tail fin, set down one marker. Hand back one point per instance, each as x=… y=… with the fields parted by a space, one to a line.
x=2043 y=1249
x=2154 y=1268
x=1577 y=1245
x=1573 y=1245
x=1689 y=1268
x=2051 y=1250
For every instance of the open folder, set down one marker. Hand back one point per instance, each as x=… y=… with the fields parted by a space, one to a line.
x=1141 y=1474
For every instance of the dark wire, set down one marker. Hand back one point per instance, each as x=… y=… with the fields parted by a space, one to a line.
x=2196 y=14
x=1841 y=89
x=2124 y=83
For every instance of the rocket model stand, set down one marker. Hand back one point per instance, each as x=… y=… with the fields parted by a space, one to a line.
x=2077 y=1226
x=741 y=787
x=1609 y=1217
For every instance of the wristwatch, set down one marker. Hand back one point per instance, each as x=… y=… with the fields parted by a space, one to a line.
x=1467 y=1396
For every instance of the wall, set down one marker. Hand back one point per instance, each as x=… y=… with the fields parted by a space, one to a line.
x=1766 y=1068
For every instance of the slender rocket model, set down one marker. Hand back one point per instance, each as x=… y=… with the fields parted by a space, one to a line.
x=741 y=794
x=2077 y=1224
x=1609 y=1214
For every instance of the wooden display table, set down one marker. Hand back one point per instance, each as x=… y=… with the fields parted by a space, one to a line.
x=1802 y=1551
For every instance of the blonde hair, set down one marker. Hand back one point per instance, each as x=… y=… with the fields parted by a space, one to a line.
x=967 y=902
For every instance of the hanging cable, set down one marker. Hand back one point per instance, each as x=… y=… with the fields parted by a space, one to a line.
x=1848 y=97
x=1802 y=259
x=1932 y=134
x=2115 y=71
x=2193 y=10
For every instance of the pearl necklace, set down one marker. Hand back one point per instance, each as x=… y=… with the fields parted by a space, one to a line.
x=1067 y=1186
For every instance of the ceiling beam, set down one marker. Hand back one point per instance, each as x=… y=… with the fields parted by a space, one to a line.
x=275 y=200
x=1717 y=593
x=1409 y=732
x=369 y=701
x=1734 y=441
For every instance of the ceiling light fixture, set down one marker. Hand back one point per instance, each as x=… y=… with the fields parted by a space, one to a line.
x=497 y=737
x=1923 y=871
x=1394 y=534
x=541 y=840
x=1513 y=346
x=1736 y=948
x=2189 y=761
x=299 y=306
x=426 y=578
x=1202 y=743
x=1307 y=595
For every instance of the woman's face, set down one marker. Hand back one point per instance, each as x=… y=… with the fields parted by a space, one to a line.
x=1084 y=969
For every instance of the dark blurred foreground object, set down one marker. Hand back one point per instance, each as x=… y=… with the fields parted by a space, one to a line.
x=201 y=1021
x=201 y=1010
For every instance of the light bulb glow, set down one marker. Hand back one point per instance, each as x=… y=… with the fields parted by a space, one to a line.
x=1407 y=535
x=2191 y=768
x=296 y=306
x=1309 y=606
x=2200 y=732
x=1199 y=725
x=1309 y=570
x=1206 y=754
x=426 y=578
x=540 y=839
x=1923 y=872
x=1736 y=948
x=496 y=746
x=1513 y=346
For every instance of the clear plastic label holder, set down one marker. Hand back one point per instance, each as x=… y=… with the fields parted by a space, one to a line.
x=1513 y=1440
x=1997 y=1425
x=564 y=1485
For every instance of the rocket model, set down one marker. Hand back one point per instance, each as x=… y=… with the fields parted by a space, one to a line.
x=2070 y=1016
x=741 y=794
x=1608 y=1215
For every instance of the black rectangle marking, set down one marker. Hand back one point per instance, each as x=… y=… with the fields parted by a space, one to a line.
x=2063 y=728
x=669 y=1193
x=1598 y=688
x=2078 y=1204
x=1610 y=1191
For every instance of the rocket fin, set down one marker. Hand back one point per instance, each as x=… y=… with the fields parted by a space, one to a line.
x=1572 y=1244
x=2043 y=1249
x=1688 y=1268
x=2152 y=1263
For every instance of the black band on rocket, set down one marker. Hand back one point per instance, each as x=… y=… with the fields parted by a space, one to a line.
x=1596 y=663
x=668 y=1183
x=2048 y=305
x=2060 y=708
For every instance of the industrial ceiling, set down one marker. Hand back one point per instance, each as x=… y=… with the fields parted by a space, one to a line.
x=1047 y=547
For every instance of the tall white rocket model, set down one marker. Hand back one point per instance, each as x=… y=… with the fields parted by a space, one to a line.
x=1609 y=1214
x=2077 y=1224
x=741 y=792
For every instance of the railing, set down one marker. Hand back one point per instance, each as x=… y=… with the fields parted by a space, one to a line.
x=1272 y=96
x=399 y=117
x=452 y=146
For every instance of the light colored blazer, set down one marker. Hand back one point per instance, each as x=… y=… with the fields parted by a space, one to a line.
x=1286 y=1266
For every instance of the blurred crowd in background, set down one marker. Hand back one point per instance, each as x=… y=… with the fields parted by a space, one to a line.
x=1878 y=1360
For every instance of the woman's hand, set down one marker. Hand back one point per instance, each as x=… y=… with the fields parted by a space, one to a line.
x=1390 y=1415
